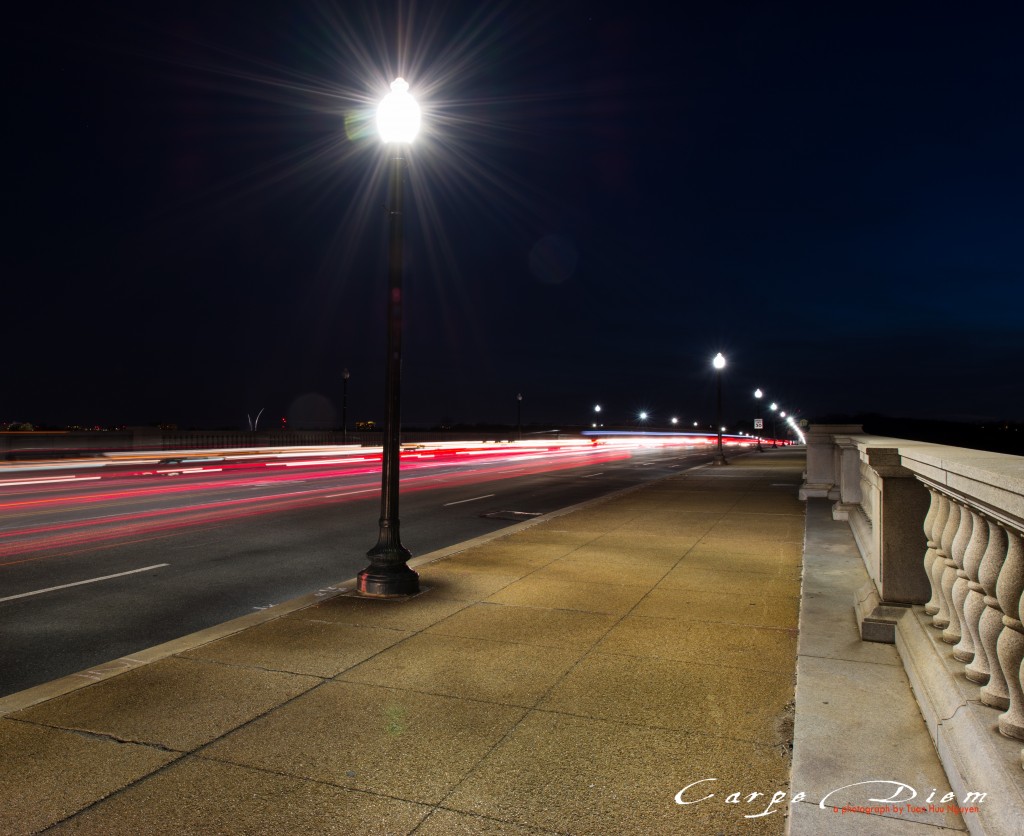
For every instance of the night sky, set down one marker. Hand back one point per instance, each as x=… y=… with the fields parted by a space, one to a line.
x=603 y=196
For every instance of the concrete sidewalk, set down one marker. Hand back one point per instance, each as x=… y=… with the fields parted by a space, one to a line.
x=580 y=674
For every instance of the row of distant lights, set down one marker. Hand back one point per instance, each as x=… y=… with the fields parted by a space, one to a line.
x=719 y=364
x=643 y=416
x=790 y=420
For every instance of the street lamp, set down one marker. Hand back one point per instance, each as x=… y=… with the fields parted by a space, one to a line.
x=344 y=406
x=759 y=394
x=519 y=414
x=398 y=120
x=719 y=364
x=774 y=407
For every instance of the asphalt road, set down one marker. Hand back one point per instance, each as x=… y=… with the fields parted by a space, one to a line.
x=92 y=569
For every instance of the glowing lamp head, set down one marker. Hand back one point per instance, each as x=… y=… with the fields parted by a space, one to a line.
x=758 y=393
x=774 y=407
x=719 y=361
x=398 y=117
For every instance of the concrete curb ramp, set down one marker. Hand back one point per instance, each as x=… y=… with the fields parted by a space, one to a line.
x=579 y=675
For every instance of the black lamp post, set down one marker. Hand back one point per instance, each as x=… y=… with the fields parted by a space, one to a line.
x=388 y=574
x=719 y=364
x=519 y=415
x=774 y=407
x=344 y=406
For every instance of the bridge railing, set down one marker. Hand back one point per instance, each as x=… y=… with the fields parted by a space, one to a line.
x=941 y=533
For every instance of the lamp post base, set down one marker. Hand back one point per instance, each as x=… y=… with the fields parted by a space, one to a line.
x=719 y=459
x=387 y=581
x=388 y=575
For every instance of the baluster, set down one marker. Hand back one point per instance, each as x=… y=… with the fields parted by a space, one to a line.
x=1011 y=641
x=958 y=578
x=974 y=603
x=939 y=564
x=991 y=620
x=994 y=693
x=946 y=568
x=932 y=532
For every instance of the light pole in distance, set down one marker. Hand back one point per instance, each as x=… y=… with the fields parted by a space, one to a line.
x=719 y=364
x=344 y=405
x=759 y=431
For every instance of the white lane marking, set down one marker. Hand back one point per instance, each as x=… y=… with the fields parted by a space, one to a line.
x=79 y=583
x=474 y=499
x=592 y=475
x=349 y=493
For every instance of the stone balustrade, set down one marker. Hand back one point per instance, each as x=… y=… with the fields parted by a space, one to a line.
x=941 y=533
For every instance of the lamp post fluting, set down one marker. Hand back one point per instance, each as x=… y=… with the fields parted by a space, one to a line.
x=388 y=573
x=719 y=364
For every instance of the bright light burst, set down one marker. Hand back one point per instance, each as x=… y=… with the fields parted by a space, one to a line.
x=316 y=101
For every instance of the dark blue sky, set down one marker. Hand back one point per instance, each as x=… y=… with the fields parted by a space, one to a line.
x=605 y=196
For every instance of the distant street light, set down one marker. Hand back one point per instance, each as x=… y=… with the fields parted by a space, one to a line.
x=643 y=416
x=519 y=414
x=344 y=406
x=388 y=575
x=759 y=430
x=675 y=421
x=719 y=364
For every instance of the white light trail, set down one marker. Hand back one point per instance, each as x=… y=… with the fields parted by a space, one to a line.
x=53 y=480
